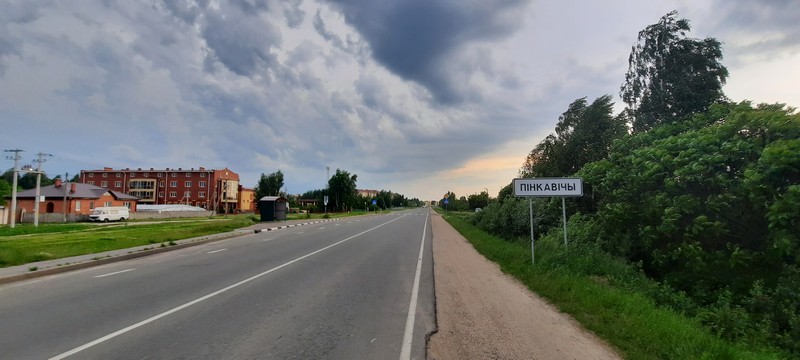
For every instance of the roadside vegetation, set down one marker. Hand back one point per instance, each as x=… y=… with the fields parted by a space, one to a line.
x=25 y=243
x=690 y=206
x=608 y=295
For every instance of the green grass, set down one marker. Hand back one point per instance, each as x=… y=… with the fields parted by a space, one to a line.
x=54 y=241
x=606 y=296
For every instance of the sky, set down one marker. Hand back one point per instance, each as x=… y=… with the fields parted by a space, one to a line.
x=418 y=97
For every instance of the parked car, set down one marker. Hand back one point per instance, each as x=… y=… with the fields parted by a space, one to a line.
x=110 y=213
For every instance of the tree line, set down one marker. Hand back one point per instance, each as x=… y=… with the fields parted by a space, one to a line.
x=25 y=181
x=700 y=193
x=341 y=191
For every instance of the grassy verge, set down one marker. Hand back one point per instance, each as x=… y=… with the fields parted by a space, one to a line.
x=601 y=293
x=55 y=241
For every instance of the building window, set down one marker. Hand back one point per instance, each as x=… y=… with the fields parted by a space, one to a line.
x=119 y=174
x=104 y=183
x=118 y=184
x=107 y=204
x=202 y=184
x=146 y=174
x=201 y=194
x=187 y=194
x=90 y=182
x=202 y=175
x=127 y=204
x=161 y=194
x=160 y=174
x=78 y=205
x=174 y=174
x=173 y=194
x=188 y=174
x=91 y=205
x=133 y=174
x=91 y=175
x=187 y=184
x=173 y=184
x=105 y=175
x=161 y=183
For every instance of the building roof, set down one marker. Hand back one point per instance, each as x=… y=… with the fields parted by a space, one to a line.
x=273 y=198
x=82 y=191
x=167 y=208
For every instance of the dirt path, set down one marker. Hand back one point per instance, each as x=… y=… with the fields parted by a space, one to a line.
x=485 y=314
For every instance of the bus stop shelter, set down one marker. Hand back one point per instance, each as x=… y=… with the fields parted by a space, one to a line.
x=273 y=208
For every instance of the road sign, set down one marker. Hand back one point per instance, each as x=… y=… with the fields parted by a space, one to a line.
x=325 y=200
x=548 y=187
x=446 y=201
x=374 y=202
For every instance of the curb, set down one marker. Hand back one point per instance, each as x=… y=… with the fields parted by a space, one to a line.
x=58 y=269
x=292 y=225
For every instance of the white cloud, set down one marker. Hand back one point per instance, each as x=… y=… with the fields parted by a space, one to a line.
x=364 y=86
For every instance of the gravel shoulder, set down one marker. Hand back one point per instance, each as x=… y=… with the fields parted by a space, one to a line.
x=485 y=314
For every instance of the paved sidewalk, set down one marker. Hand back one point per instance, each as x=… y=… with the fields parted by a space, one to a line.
x=49 y=267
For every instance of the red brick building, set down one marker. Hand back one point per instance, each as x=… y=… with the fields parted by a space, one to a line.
x=74 y=198
x=216 y=190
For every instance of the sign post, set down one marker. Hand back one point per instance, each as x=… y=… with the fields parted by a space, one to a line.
x=548 y=187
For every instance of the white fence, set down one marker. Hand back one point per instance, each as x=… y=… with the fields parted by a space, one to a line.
x=59 y=217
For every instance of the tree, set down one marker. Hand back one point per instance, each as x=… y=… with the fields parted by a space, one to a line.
x=671 y=76
x=478 y=200
x=342 y=190
x=584 y=134
x=269 y=185
x=5 y=190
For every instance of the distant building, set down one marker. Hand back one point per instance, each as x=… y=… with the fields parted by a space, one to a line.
x=74 y=198
x=216 y=190
x=247 y=199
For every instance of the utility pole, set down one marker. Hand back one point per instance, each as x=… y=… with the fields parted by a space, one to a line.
x=64 y=205
x=16 y=159
x=39 y=159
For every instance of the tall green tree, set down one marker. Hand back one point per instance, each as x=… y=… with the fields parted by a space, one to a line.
x=342 y=190
x=269 y=185
x=584 y=134
x=671 y=76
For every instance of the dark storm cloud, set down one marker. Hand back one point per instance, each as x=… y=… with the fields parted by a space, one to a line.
x=414 y=38
x=240 y=40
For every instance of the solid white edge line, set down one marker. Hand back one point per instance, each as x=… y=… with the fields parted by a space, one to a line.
x=405 y=351
x=206 y=297
x=215 y=251
x=114 y=273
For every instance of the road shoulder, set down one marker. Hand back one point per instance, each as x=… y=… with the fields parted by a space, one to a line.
x=485 y=314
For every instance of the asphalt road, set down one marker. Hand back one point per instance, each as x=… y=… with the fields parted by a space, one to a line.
x=351 y=289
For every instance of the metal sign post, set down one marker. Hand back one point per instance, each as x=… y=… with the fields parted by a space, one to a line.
x=530 y=211
x=548 y=187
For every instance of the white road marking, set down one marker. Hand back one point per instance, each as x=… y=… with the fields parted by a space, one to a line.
x=114 y=273
x=322 y=228
x=215 y=251
x=405 y=351
x=206 y=297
